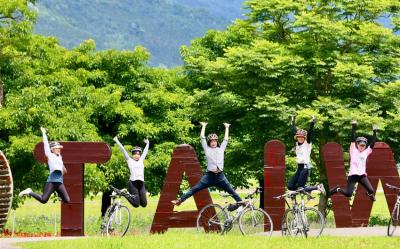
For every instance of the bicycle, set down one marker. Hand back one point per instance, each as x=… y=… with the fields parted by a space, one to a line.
x=299 y=219
x=117 y=218
x=252 y=220
x=394 y=221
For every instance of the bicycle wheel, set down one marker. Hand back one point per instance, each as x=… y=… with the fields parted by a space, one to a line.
x=211 y=218
x=394 y=220
x=291 y=226
x=105 y=219
x=313 y=222
x=255 y=221
x=119 y=221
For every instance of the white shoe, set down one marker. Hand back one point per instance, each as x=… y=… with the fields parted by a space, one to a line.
x=321 y=189
x=25 y=192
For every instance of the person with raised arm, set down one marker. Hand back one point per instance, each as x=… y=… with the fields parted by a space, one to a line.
x=359 y=152
x=55 y=181
x=136 y=167
x=214 y=175
x=303 y=148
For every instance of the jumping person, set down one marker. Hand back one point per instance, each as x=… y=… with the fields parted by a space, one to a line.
x=57 y=170
x=136 y=168
x=303 y=151
x=359 y=152
x=214 y=175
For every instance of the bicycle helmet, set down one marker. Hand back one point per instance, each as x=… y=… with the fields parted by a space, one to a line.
x=361 y=140
x=212 y=136
x=300 y=133
x=136 y=149
x=55 y=145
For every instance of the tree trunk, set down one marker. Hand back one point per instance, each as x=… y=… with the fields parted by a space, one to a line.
x=1 y=93
x=323 y=200
x=105 y=201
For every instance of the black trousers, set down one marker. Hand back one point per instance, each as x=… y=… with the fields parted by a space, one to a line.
x=351 y=183
x=137 y=189
x=209 y=179
x=300 y=178
x=49 y=188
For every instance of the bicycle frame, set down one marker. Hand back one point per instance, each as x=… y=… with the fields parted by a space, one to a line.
x=238 y=213
x=298 y=210
x=246 y=204
x=114 y=213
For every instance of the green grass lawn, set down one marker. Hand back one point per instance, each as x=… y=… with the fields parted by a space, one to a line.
x=33 y=217
x=184 y=240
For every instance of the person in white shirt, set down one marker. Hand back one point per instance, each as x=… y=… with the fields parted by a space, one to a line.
x=55 y=182
x=303 y=150
x=359 y=152
x=214 y=175
x=136 y=167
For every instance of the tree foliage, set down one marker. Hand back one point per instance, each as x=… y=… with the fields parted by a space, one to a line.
x=88 y=95
x=332 y=59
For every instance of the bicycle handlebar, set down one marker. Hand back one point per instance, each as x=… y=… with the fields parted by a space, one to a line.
x=121 y=192
x=293 y=193
x=397 y=189
x=255 y=192
x=248 y=196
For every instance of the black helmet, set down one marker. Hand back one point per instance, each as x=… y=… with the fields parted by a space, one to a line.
x=212 y=136
x=361 y=140
x=136 y=149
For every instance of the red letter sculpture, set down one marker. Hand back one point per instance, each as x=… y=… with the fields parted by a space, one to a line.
x=380 y=166
x=274 y=180
x=6 y=190
x=75 y=154
x=184 y=160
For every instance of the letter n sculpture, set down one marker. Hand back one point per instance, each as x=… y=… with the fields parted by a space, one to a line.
x=274 y=180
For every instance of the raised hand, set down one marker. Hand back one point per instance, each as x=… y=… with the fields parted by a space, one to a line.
x=313 y=119
x=43 y=130
x=115 y=138
x=203 y=123
x=354 y=122
x=293 y=117
x=227 y=125
x=146 y=141
x=374 y=127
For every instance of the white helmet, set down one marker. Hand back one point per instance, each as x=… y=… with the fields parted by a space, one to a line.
x=212 y=136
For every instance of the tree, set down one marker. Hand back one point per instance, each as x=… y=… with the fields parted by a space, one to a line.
x=332 y=59
x=88 y=95
x=16 y=19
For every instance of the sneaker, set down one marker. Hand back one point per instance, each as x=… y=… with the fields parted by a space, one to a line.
x=233 y=207
x=25 y=192
x=176 y=202
x=334 y=190
x=321 y=189
x=372 y=197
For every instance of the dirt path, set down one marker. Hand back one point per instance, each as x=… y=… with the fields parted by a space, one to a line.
x=9 y=243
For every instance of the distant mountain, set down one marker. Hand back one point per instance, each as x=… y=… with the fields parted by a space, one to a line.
x=161 y=26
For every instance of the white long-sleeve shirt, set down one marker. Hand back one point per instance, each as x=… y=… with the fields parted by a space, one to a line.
x=54 y=161
x=136 y=168
x=214 y=156
x=303 y=152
